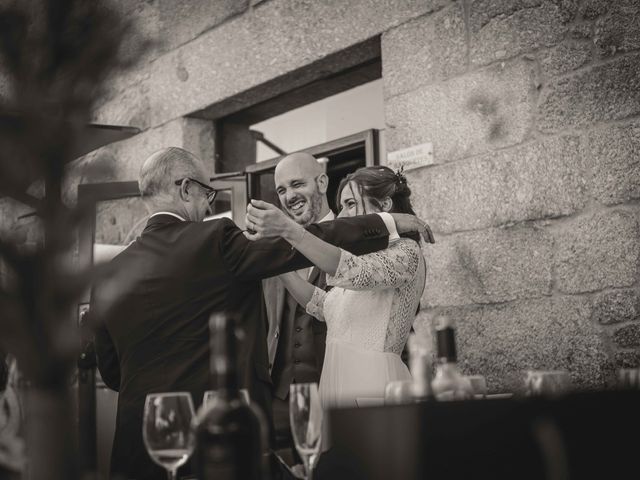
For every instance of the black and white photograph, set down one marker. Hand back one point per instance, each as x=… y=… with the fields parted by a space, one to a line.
x=319 y=239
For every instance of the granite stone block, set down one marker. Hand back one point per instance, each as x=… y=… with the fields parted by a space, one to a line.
x=425 y=50
x=602 y=93
x=502 y=341
x=489 y=266
x=468 y=115
x=536 y=180
x=598 y=251
x=613 y=154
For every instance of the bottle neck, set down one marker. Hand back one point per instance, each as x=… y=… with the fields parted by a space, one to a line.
x=222 y=366
x=446 y=342
x=223 y=377
x=420 y=368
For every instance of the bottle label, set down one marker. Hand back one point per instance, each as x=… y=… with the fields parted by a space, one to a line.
x=231 y=460
x=446 y=344
x=218 y=462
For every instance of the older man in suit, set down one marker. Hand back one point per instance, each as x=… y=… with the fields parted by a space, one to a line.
x=152 y=310
x=296 y=340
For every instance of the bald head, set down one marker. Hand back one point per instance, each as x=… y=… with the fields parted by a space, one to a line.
x=301 y=185
x=158 y=175
x=301 y=163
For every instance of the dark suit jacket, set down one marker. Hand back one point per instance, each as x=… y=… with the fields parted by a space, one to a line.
x=152 y=313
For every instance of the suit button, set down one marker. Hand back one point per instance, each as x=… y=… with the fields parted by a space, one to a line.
x=298 y=329
x=296 y=361
x=297 y=345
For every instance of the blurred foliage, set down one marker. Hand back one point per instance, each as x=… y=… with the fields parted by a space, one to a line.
x=55 y=58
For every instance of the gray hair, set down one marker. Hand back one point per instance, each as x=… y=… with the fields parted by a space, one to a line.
x=160 y=171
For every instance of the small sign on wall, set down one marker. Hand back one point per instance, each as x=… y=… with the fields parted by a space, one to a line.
x=412 y=157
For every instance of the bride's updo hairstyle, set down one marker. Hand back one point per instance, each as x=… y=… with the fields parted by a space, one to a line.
x=378 y=183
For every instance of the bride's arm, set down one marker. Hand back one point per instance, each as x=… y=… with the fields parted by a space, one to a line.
x=306 y=294
x=297 y=286
x=271 y=221
x=390 y=268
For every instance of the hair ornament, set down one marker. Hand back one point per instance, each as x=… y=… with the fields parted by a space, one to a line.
x=400 y=178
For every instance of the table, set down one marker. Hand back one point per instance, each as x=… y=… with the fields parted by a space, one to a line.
x=581 y=435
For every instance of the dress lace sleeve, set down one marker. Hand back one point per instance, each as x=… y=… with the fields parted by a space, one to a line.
x=315 y=307
x=392 y=267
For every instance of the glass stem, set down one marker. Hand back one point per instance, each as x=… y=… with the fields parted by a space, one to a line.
x=173 y=473
x=307 y=466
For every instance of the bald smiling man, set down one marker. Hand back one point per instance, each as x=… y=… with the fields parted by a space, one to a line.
x=296 y=340
x=301 y=185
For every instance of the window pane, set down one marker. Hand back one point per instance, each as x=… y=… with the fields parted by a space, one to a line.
x=352 y=111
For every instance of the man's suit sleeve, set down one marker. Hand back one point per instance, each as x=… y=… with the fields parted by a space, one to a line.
x=268 y=257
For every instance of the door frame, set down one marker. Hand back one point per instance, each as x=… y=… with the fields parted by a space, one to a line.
x=89 y=194
x=237 y=183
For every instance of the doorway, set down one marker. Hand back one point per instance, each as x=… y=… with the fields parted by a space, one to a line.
x=339 y=157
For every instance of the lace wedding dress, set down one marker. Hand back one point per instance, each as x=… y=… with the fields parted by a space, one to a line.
x=369 y=314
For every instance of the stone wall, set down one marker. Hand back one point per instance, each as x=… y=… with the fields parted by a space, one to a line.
x=533 y=108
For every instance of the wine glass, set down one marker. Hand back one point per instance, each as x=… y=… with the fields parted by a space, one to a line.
x=397 y=392
x=305 y=416
x=479 y=385
x=166 y=429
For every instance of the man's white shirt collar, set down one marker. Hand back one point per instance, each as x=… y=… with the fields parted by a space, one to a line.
x=169 y=213
x=328 y=217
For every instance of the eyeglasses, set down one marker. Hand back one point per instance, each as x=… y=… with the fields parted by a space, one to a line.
x=211 y=192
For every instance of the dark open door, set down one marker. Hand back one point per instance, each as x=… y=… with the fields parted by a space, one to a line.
x=342 y=156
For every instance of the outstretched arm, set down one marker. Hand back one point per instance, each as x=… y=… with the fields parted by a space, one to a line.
x=268 y=221
x=267 y=257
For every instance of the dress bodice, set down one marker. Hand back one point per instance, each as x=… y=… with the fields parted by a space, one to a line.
x=375 y=297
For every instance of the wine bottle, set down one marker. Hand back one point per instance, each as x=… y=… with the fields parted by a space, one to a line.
x=230 y=435
x=420 y=366
x=448 y=383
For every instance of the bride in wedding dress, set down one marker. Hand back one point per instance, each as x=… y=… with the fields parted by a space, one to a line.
x=372 y=305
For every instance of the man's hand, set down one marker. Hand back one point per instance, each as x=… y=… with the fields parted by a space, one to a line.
x=406 y=223
x=266 y=220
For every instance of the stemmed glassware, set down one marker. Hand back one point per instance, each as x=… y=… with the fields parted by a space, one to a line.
x=166 y=429
x=305 y=415
x=479 y=385
x=397 y=392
